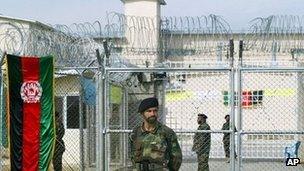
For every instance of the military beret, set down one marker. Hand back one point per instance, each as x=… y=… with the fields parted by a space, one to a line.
x=227 y=116
x=203 y=115
x=147 y=103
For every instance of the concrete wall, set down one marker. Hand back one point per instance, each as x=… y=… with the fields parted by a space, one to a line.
x=143 y=21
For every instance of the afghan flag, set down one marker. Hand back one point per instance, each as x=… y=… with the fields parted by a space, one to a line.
x=30 y=112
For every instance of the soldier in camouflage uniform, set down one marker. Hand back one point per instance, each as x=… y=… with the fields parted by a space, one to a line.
x=226 y=138
x=154 y=146
x=201 y=143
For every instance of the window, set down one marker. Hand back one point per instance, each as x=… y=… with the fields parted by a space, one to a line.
x=70 y=107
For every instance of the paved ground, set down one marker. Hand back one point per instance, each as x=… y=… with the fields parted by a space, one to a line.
x=246 y=166
x=217 y=166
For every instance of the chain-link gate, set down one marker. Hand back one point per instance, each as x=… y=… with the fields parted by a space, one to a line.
x=183 y=93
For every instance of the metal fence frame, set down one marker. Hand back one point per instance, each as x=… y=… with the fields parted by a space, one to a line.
x=104 y=126
x=235 y=76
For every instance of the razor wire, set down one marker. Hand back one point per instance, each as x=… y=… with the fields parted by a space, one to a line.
x=147 y=38
x=39 y=40
x=197 y=38
x=137 y=37
x=275 y=35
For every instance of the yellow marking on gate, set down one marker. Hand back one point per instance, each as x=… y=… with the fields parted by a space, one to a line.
x=280 y=92
x=179 y=96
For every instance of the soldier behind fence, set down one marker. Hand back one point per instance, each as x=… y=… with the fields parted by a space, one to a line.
x=154 y=146
x=59 y=143
x=201 y=143
x=226 y=138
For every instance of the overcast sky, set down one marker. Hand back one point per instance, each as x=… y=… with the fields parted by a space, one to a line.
x=237 y=12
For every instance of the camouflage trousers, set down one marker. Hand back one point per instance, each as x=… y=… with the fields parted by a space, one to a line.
x=227 y=148
x=152 y=167
x=138 y=169
x=202 y=160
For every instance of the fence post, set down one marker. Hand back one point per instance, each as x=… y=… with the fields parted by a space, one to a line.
x=219 y=50
x=241 y=49
x=274 y=53
x=231 y=52
x=106 y=114
x=100 y=158
x=239 y=114
x=232 y=119
x=125 y=127
x=80 y=112
x=106 y=105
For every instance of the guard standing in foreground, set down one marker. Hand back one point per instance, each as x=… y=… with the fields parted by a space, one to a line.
x=154 y=146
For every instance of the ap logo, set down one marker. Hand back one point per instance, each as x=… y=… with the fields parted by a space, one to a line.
x=292 y=161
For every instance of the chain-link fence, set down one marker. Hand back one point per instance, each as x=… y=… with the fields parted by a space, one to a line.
x=267 y=117
x=271 y=117
x=183 y=93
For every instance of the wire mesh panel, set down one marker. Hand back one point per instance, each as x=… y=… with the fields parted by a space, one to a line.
x=75 y=98
x=271 y=101
x=271 y=118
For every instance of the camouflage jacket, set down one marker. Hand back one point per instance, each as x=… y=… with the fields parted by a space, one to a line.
x=160 y=147
x=202 y=140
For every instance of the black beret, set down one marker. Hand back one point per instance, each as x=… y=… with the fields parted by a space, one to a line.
x=227 y=116
x=147 y=103
x=203 y=115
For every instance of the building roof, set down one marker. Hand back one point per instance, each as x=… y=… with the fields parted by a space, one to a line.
x=161 y=2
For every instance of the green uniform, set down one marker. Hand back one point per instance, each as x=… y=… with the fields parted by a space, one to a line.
x=226 y=139
x=160 y=148
x=201 y=145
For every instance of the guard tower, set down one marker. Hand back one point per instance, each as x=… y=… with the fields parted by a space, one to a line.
x=143 y=27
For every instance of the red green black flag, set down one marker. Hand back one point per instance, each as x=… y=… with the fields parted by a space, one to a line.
x=30 y=112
